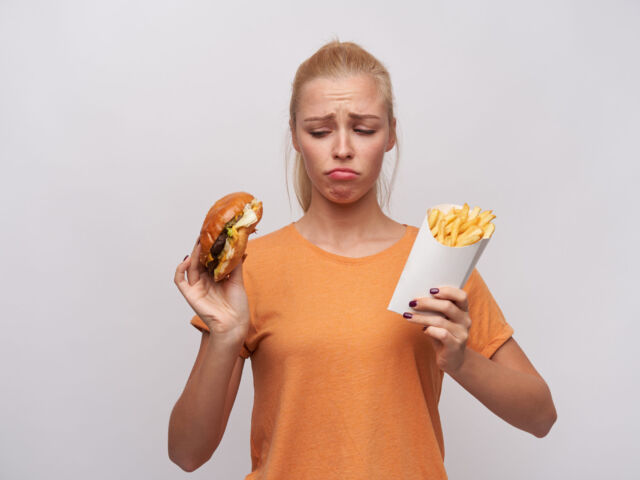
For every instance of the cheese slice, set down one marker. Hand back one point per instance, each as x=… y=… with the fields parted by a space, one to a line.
x=248 y=218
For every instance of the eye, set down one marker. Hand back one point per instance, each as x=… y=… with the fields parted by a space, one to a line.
x=317 y=134
x=358 y=130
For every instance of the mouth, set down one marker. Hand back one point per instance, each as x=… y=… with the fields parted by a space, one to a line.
x=342 y=174
x=345 y=170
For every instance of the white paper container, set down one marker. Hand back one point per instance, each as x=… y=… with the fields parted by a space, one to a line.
x=431 y=264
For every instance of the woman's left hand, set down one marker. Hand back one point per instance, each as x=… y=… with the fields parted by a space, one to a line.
x=445 y=316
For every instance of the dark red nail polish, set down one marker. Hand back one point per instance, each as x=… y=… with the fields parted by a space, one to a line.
x=184 y=258
x=433 y=291
x=424 y=328
x=413 y=303
x=407 y=315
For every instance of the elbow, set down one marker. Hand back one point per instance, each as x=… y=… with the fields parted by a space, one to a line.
x=186 y=457
x=186 y=464
x=547 y=414
x=545 y=423
x=180 y=453
x=189 y=468
x=186 y=467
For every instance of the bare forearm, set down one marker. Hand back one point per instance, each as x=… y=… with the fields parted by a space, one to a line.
x=196 y=420
x=519 y=398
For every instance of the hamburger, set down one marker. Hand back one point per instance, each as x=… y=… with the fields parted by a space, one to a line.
x=225 y=232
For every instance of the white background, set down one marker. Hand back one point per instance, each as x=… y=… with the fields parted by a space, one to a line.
x=121 y=122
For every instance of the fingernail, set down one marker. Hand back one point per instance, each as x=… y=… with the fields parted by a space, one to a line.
x=424 y=328
x=184 y=258
x=413 y=303
x=433 y=291
x=407 y=315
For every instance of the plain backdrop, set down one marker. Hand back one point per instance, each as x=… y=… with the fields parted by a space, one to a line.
x=121 y=122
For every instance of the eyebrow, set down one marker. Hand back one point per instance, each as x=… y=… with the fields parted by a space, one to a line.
x=352 y=115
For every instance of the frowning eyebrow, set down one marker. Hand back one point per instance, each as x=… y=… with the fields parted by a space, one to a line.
x=352 y=115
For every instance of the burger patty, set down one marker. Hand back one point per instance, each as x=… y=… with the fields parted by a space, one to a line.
x=218 y=245
x=215 y=250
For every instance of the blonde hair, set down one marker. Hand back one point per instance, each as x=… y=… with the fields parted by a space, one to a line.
x=334 y=60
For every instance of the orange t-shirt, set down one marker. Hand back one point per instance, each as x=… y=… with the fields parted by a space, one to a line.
x=343 y=387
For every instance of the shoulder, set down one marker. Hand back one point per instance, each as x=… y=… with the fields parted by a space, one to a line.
x=260 y=244
x=265 y=250
x=412 y=230
x=479 y=293
x=475 y=284
x=412 y=233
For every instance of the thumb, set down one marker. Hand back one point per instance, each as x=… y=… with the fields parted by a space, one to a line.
x=236 y=275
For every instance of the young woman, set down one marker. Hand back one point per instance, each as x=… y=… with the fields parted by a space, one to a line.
x=344 y=388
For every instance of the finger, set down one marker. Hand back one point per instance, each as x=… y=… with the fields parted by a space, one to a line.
x=442 y=335
x=456 y=295
x=236 y=276
x=437 y=344
x=179 y=279
x=193 y=272
x=435 y=320
x=447 y=308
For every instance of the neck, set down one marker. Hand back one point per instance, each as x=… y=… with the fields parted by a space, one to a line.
x=346 y=224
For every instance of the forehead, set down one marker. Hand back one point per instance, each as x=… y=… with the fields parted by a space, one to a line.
x=357 y=92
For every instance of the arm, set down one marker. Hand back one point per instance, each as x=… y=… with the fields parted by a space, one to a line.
x=509 y=386
x=200 y=415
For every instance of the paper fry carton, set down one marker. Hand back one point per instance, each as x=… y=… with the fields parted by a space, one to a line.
x=431 y=264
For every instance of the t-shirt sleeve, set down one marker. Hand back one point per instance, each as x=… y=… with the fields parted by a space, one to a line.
x=197 y=322
x=489 y=329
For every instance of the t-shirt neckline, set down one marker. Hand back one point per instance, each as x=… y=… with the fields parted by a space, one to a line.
x=353 y=260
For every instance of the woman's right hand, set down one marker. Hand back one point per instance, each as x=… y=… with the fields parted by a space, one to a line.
x=222 y=306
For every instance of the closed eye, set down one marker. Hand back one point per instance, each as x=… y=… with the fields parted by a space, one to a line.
x=359 y=130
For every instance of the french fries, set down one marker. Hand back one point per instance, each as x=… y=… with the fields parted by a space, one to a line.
x=460 y=227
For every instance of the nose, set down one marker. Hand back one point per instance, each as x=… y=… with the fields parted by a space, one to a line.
x=342 y=148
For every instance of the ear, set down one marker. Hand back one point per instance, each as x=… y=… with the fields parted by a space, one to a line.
x=392 y=136
x=294 y=138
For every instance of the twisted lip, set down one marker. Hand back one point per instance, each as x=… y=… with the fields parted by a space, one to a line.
x=342 y=170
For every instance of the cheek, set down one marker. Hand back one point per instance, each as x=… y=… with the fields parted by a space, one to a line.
x=373 y=152
x=311 y=154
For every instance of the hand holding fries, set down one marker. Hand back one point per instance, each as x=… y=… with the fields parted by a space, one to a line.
x=445 y=319
x=459 y=227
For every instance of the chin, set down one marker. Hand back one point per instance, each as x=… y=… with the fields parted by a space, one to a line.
x=344 y=194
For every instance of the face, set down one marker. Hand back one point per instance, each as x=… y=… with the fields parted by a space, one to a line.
x=342 y=124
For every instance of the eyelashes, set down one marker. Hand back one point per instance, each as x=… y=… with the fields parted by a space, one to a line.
x=359 y=130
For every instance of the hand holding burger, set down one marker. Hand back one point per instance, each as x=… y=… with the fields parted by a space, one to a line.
x=222 y=306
